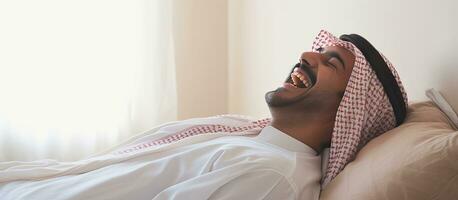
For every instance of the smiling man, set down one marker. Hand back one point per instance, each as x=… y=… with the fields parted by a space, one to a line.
x=305 y=107
x=340 y=95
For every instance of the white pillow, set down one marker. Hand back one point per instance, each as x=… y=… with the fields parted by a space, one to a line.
x=417 y=160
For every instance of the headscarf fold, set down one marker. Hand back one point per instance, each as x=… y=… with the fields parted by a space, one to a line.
x=364 y=112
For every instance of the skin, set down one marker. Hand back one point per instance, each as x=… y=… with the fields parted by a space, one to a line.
x=308 y=114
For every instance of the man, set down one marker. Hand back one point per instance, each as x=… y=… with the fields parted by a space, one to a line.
x=345 y=98
x=332 y=98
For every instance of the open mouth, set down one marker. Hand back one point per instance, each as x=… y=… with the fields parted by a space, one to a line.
x=301 y=77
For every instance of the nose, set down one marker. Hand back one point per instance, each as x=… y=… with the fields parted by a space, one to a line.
x=311 y=58
x=309 y=63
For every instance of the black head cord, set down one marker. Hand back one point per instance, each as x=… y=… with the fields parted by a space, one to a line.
x=383 y=73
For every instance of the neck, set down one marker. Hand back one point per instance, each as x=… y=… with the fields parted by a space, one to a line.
x=311 y=128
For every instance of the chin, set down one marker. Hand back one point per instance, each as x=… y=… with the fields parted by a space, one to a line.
x=281 y=98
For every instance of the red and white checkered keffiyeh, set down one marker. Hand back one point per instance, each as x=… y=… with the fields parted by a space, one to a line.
x=364 y=111
x=247 y=128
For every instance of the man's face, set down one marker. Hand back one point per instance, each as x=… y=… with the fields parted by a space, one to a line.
x=319 y=75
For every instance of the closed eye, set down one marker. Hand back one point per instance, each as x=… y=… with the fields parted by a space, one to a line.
x=332 y=54
x=329 y=62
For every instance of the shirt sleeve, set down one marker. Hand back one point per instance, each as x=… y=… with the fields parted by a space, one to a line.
x=258 y=184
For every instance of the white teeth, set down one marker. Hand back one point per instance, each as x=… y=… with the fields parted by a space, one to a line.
x=296 y=76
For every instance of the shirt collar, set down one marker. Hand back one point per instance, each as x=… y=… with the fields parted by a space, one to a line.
x=276 y=137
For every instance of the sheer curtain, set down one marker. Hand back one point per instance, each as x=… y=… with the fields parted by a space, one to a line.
x=76 y=77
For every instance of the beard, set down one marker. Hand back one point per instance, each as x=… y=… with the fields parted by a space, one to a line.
x=276 y=98
x=313 y=101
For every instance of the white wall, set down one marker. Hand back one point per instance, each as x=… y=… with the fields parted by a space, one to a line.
x=200 y=28
x=230 y=52
x=266 y=38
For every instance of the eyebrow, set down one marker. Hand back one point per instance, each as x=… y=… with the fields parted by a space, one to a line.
x=334 y=54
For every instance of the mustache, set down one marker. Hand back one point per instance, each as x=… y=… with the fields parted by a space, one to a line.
x=307 y=69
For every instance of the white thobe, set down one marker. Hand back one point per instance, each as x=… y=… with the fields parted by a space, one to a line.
x=271 y=165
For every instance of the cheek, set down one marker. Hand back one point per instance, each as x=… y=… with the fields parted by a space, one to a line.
x=332 y=81
x=345 y=79
x=343 y=85
x=329 y=77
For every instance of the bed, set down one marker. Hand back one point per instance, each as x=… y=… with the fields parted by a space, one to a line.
x=417 y=160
